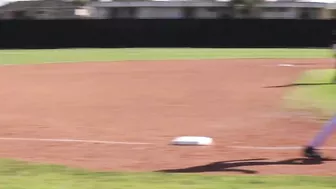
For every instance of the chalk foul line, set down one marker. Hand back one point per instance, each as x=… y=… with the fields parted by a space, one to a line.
x=65 y=140
x=277 y=147
x=74 y=141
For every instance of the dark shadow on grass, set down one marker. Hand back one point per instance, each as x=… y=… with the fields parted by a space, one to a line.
x=240 y=165
x=300 y=84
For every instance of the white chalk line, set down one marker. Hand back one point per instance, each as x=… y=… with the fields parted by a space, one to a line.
x=299 y=65
x=277 y=147
x=145 y=143
x=74 y=141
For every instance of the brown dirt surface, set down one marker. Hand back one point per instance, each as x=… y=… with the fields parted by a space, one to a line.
x=153 y=102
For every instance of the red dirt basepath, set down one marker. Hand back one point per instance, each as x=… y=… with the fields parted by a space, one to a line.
x=153 y=102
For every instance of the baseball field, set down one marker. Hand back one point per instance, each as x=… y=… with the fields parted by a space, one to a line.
x=104 y=118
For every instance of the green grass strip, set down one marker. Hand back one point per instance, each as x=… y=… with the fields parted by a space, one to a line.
x=80 y=55
x=21 y=175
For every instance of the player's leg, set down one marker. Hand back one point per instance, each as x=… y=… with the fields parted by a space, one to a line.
x=310 y=151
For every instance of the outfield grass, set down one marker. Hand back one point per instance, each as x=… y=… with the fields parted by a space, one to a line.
x=319 y=98
x=79 y=55
x=20 y=175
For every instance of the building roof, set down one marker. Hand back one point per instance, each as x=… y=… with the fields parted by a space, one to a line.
x=34 y=2
x=22 y=4
x=19 y=5
x=311 y=1
x=207 y=3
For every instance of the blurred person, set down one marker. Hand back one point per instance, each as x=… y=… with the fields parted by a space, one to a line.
x=329 y=128
x=310 y=150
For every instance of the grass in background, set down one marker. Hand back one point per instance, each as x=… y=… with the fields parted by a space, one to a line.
x=21 y=175
x=317 y=98
x=79 y=55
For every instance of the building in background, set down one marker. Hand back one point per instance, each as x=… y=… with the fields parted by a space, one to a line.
x=43 y=9
x=281 y=9
x=170 y=9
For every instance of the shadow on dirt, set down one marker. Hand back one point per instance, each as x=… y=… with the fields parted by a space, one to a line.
x=240 y=165
x=299 y=84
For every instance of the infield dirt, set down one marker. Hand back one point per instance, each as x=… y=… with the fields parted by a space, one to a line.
x=231 y=101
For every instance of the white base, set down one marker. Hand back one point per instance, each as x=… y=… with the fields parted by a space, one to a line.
x=286 y=65
x=192 y=140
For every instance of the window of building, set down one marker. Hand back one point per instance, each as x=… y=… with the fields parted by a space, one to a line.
x=122 y=12
x=188 y=12
x=309 y=13
x=20 y=14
